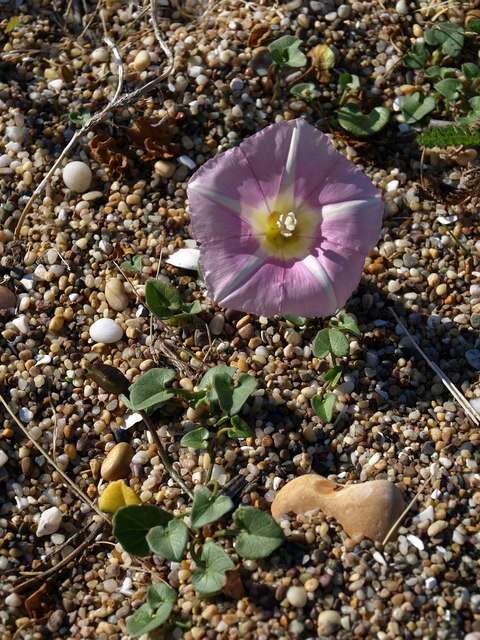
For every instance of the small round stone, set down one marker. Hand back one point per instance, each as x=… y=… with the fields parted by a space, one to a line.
x=116 y=465
x=297 y=597
x=142 y=61
x=77 y=176
x=49 y=522
x=164 y=169
x=106 y=330
x=328 y=622
x=116 y=295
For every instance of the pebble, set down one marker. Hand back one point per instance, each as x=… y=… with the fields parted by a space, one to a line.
x=297 y=596
x=115 y=294
x=401 y=7
x=106 y=330
x=436 y=528
x=100 y=55
x=216 y=324
x=8 y=300
x=3 y=458
x=49 y=522
x=141 y=61
x=164 y=169
x=77 y=176
x=117 y=463
x=327 y=622
x=13 y=600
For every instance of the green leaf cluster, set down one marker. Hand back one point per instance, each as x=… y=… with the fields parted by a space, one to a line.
x=446 y=36
x=285 y=51
x=166 y=303
x=146 y=529
x=333 y=342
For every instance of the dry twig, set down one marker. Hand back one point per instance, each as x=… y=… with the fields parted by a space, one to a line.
x=456 y=393
x=68 y=481
x=118 y=102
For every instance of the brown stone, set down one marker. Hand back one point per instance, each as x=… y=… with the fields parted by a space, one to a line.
x=8 y=300
x=116 y=465
x=365 y=510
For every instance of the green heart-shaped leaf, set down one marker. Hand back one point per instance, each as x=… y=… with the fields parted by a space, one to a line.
x=361 y=124
x=170 y=541
x=260 y=534
x=131 y=525
x=206 y=383
x=148 y=390
x=348 y=322
x=208 y=508
x=152 y=614
x=450 y=88
x=324 y=406
x=209 y=577
x=244 y=388
x=239 y=428
x=415 y=108
x=223 y=390
x=196 y=439
x=333 y=376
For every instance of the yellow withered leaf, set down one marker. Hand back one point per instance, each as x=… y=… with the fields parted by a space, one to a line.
x=117 y=494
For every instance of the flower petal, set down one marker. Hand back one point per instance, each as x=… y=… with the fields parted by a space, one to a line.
x=343 y=266
x=354 y=224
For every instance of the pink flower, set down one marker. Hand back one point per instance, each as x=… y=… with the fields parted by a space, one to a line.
x=284 y=223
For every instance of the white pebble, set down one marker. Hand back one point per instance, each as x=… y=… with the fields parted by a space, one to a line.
x=297 y=597
x=106 y=330
x=100 y=55
x=49 y=522
x=77 y=176
x=3 y=458
x=13 y=600
x=21 y=324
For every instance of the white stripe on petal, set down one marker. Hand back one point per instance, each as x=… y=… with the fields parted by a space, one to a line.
x=288 y=177
x=340 y=208
x=239 y=278
x=316 y=269
x=234 y=205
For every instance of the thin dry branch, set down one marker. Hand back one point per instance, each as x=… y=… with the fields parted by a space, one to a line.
x=397 y=522
x=68 y=481
x=92 y=534
x=456 y=393
x=118 y=102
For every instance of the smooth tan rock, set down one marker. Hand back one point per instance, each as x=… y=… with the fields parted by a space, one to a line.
x=117 y=463
x=8 y=300
x=116 y=295
x=365 y=510
x=328 y=622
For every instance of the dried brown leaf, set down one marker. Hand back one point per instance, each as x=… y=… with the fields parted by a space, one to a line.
x=323 y=59
x=259 y=34
x=156 y=138
x=107 y=151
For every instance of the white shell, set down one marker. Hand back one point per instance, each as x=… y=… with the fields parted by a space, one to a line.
x=49 y=522
x=185 y=259
x=106 y=331
x=77 y=176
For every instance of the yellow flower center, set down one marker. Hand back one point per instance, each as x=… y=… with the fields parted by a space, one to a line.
x=285 y=233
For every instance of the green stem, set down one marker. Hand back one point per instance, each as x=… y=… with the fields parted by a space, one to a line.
x=226 y=533
x=164 y=457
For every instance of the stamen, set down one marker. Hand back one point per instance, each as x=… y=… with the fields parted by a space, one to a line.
x=287 y=223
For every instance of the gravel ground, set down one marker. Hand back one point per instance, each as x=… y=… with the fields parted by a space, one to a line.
x=396 y=421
